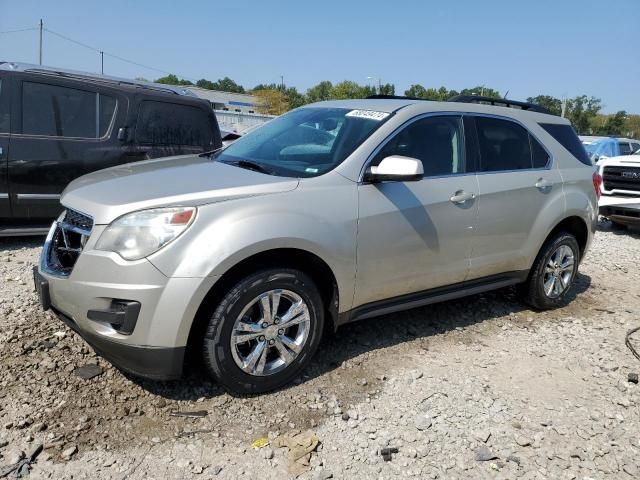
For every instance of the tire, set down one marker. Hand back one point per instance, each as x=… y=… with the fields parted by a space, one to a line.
x=241 y=314
x=533 y=291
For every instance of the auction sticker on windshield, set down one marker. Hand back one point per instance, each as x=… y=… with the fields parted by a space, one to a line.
x=369 y=114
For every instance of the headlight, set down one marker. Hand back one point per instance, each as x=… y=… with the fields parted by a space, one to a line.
x=139 y=234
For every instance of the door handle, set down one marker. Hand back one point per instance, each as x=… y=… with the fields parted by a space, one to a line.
x=543 y=185
x=461 y=197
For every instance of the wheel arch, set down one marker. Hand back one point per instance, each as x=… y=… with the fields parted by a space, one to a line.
x=299 y=259
x=574 y=225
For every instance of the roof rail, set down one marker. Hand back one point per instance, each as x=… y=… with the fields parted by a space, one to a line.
x=501 y=102
x=94 y=77
x=392 y=97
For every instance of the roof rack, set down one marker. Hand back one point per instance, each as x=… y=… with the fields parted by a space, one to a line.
x=500 y=102
x=94 y=77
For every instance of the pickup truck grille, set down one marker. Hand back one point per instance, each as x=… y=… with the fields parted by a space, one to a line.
x=621 y=178
x=66 y=242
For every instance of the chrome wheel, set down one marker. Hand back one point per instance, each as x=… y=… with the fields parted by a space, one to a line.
x=559 y=271
x=270 y=332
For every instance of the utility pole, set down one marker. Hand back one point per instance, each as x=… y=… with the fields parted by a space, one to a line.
x=379 y=86
x=282 y=82
x=41 y=27
x=101 y=62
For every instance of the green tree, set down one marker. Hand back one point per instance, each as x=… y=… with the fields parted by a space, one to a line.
x=223 y=84
x=553 y=104
x=582 y=111
x=349 y=89
x=441 y=94
x=319 y=92
x=416 y=90
x=387 y=89
x=171 y=79
x=271 y=101
x=615 y=124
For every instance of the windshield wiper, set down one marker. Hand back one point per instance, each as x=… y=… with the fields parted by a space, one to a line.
x=210 y=152
x=249 y=165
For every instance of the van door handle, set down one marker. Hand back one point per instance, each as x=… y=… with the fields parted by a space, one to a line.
x=461 y=197
x=543 y=185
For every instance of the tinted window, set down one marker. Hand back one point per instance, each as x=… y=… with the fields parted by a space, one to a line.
x=436 y=141
x=504 y=145
x=539 y=154
x=161 y=123
x=566 y=136
x=4 y=112
x=105 y=114
x=625 y=148
x=58 y=111
x=635 y=147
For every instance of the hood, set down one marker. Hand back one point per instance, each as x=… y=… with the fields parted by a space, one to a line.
x=631 y=160
x=186 y=180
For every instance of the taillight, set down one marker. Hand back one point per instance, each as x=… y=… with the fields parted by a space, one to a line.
x=597 y=183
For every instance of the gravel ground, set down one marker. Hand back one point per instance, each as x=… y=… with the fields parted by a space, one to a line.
x=478 y=388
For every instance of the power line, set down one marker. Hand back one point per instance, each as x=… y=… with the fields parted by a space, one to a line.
x=20 y=30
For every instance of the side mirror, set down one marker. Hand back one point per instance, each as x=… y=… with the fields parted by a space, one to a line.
x=395 y=168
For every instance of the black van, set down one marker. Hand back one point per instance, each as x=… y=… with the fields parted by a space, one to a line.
x=56 y=125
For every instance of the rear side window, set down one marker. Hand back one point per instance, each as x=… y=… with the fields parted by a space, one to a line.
x=504 y=145
x=566 y=136
x=161 y=123
x=436 y=141
x=539 y=155
x=57 y=111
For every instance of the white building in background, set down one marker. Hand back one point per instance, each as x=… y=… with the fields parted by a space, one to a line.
x=236 y=112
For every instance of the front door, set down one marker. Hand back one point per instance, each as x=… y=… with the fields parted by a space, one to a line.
x=414 y=236
x=5 y=129
x=63 y=131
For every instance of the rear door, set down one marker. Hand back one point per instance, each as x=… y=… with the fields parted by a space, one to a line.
x=62 y=130
x=517 y=181
x=5 y=129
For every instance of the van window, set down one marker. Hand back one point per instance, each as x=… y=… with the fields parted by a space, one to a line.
x=57 y=111
x=625 y=148
x=161 y=123
x=504 y=145
x=4 y=112
x=436 y=141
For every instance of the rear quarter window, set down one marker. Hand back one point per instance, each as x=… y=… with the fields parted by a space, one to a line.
x=566 y=136
x=162 y=123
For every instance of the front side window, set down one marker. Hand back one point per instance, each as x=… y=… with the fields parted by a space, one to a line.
x=162 y=123
x=57 y=111
x=625 y=148
x=305 y=142
x=504 y=145
x=435 y=141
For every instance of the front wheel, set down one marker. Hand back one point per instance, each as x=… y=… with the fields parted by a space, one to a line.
x=553 y=273
x=264 y=332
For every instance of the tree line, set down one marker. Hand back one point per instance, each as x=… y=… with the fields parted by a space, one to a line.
x=583 y=111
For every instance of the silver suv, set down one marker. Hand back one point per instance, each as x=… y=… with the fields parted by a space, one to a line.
x=335 y=212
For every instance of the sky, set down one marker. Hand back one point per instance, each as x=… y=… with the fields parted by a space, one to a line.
x=555 y=47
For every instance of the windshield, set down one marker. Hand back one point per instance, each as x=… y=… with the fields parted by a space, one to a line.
x=306 y=142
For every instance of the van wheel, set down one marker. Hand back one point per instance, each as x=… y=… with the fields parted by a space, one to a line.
x=552 y=274
x=264 y=332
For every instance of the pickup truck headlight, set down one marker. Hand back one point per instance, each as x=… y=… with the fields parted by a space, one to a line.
x=139 y=234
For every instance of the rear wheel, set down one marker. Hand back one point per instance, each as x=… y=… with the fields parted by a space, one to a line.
x=553 y=273
x=264 y=332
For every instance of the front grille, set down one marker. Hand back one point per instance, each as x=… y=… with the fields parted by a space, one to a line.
x=617 y=177
x=66 y=242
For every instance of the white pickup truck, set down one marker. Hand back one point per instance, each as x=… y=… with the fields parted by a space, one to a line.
x=620 y=201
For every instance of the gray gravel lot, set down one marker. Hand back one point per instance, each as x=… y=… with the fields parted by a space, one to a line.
x=477 y=388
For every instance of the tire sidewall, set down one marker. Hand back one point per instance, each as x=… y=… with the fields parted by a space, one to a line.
x=551 y=247
x=217 y=341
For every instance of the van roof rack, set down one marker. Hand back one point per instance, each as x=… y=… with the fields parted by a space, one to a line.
x=94 y=77
x=500 y=102
x=393 y=97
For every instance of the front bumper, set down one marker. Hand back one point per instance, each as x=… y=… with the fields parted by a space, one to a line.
x=156 y=345
x=623 y=210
